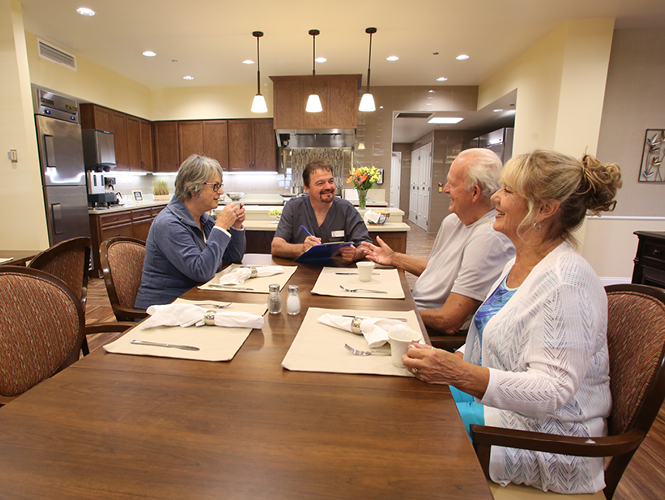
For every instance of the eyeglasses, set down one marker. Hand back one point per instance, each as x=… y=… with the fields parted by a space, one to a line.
x=216 y=186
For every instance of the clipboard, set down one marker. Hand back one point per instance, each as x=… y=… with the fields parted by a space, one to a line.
x=322 y=253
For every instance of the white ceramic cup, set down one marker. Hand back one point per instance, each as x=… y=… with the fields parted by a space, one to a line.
x=400 y=340
x=365 y=268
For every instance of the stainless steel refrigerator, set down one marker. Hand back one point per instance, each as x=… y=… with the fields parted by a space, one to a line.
x=61 y=161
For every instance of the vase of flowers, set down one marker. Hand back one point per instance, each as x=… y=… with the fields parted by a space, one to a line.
x=363 y=179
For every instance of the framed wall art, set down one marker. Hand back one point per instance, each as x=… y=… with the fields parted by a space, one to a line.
x=652 y=156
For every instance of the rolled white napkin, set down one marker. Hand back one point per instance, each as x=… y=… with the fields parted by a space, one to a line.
x=375 y=330
x=185 y=315
x=240 y=274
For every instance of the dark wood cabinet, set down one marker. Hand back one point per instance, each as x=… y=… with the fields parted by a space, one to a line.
x=252 y=145
x=190 y=139
x=216 y=141
x=166 y=146
x=145 y=132
x=650 y=259
x=339 y=100
x=132 y=136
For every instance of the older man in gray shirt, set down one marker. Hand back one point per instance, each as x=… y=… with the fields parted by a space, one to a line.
x=326 y=218
x=468 y=254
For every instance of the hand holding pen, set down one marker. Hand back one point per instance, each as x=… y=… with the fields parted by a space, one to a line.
x=310 y=241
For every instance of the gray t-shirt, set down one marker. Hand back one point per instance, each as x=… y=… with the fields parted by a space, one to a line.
x=343 y=222
x=465 y=260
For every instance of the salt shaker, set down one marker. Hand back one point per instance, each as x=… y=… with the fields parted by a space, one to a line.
x=274 y=299
x=293 y=301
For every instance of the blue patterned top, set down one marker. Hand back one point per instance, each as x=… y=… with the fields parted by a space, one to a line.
x=490 y=307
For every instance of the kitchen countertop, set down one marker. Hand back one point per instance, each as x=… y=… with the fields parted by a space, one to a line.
x=122 y=208
x=271 y=225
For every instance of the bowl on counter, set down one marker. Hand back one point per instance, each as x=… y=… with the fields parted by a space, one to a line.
x=377 y=216
x=235 y=196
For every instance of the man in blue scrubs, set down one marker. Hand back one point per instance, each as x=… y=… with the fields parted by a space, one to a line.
x=326 y=217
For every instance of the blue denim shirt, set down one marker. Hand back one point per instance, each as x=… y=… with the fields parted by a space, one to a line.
x=177 y=257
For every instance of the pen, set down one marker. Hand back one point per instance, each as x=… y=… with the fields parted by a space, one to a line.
x=305 y=229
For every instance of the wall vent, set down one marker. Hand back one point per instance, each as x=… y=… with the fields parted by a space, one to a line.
x=422 y=116
x=55 y=54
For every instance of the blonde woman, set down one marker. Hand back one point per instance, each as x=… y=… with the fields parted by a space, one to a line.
x=536 y=355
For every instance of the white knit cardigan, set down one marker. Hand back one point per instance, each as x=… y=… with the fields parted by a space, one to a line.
x=546 y=351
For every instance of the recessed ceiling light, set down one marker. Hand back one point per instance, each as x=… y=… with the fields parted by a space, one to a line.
x=462 y=57
x=431 y=91
x=445 y=119
x=149 y=53
x=187 y=77
x=84 y=11
x=321 y=59
x=441 y=79
x=392 y=58
x=248 y=61
x=498 y=110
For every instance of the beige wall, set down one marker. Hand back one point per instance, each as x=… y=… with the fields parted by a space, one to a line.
x=90 y=82
x=23 y=225
x=191 y=103
x=560 y=82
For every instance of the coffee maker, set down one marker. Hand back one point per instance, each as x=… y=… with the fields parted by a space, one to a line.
x=98 y=196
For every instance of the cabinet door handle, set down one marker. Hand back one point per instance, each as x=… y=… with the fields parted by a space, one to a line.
x=657 y=252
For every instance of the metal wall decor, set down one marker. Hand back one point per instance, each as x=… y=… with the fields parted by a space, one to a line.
x=653 y=156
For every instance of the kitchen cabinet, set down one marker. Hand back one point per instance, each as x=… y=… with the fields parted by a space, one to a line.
x=252 y=145
x=339 y=100
x=134 y=223
x=166 y=146
x=190 y=139
x=145 y=132
x=132 y=136
x=206 y=137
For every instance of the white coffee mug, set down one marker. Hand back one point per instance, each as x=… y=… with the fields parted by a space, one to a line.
x=400 y=340
x=365 y=269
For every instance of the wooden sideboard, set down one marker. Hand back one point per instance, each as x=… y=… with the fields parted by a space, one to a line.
x=650 y=259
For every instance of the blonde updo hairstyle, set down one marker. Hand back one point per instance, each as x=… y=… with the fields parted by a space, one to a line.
x=580 y=186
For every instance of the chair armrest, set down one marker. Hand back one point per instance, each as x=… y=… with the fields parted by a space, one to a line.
x=448 y=342
x=108 y=327
x=484 y=437
x=127 y=313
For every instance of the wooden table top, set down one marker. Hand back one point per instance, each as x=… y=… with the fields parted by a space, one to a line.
x=19 y=257
x=115 y=426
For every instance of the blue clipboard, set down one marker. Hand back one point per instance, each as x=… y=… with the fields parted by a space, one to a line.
x=322 y=253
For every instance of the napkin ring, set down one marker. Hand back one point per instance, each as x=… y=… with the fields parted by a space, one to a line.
x=209 y=318
x=355 y=325
x=253 y=273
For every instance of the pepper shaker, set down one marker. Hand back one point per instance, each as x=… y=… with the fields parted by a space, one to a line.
x=274 y=299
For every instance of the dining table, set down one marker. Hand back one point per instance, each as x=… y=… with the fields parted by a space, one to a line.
x=115 y=426
x=17 y=257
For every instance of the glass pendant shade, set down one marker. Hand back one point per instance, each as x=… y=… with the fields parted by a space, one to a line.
x=259 y=104
x=313 y=104
x=367 y=103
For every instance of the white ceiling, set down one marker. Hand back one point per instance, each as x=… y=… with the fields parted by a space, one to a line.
x=209 y=39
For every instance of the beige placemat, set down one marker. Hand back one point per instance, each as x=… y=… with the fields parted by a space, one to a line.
x=320 y=348
x=331 y=278
x=215 y=343
x=257 y=285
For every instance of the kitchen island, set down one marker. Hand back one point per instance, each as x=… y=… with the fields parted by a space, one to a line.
x=261 y=226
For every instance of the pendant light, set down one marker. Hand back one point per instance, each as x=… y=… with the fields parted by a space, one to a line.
x=259 y=103
x=367 y=101
x=313 y=101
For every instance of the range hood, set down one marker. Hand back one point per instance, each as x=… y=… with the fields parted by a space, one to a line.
x=316 y=138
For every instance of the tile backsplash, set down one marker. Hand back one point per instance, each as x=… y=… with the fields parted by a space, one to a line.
x=248 y=182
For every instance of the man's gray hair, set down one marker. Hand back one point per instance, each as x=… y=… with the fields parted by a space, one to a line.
x=484 y=170
x=193 y=174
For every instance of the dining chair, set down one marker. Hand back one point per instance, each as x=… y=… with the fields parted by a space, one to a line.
x=448 y=342
x=122 y=265
x=70 y=261
x=636 y=344
x=41 y=328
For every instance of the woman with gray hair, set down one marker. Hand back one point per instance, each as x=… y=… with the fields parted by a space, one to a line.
x=185 y=245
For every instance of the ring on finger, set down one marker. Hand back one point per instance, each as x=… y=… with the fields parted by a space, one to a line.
x=414 y=370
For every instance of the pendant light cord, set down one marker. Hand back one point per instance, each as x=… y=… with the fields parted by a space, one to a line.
x=369 y=62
